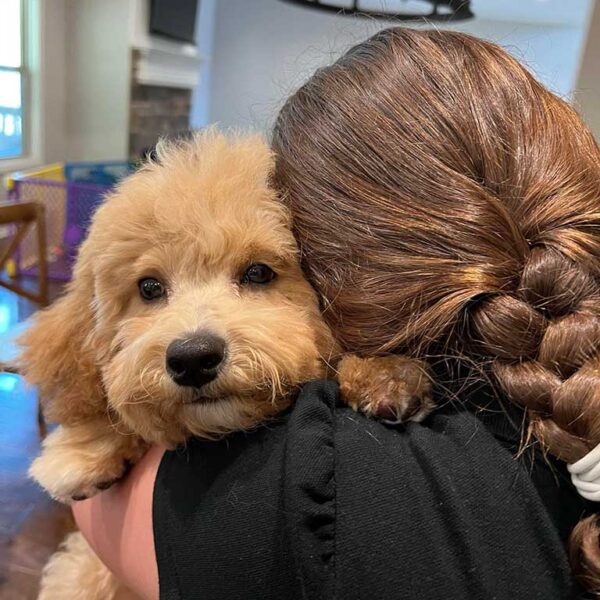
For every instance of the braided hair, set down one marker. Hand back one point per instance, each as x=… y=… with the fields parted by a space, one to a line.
x=441 y=194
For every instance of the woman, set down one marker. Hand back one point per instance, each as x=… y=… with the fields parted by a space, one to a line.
x=448 y=206
x=470 y=199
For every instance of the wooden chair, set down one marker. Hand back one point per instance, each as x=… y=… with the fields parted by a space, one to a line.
x=24 y=216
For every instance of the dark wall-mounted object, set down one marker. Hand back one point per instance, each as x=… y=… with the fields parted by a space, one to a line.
x=442 y=11
x=175 y=19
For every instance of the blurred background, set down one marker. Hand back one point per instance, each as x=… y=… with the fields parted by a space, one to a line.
x=101 y=79
x=88 y=86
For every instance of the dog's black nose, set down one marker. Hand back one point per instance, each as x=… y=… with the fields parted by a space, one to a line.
x=194 y=361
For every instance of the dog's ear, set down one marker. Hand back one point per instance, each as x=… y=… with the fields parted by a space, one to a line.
x=59 y=355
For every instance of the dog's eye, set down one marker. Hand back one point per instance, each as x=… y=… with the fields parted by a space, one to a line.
x=258 y=273
x=151 y=289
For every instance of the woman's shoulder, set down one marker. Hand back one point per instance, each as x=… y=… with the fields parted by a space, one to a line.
x=343 y=506
x=444 y=498
x=452 y=447
x=449 y=464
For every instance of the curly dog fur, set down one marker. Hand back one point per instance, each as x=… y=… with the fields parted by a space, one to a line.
x=193 y=220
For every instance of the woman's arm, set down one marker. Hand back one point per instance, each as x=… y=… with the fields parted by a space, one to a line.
x=118 y=526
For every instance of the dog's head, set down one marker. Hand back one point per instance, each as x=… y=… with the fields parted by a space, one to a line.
x=188 y=312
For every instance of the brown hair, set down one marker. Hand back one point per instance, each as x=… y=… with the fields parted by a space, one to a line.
x=439 y=192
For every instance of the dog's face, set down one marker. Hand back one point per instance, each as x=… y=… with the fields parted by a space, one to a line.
x=188 y=313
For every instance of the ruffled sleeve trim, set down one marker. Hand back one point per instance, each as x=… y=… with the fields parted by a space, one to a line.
x=309 y=495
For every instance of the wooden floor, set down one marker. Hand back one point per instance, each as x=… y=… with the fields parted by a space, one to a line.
x=31 y=525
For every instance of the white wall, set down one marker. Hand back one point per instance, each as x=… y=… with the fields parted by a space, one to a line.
x=78 y=120
x=263 y=49
x=587 y=97
x=98 y=75
x=53 y=74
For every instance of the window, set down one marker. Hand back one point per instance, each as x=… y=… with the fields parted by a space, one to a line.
x=12 y=79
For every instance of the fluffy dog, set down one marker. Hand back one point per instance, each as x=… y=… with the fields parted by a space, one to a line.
x=188 y=315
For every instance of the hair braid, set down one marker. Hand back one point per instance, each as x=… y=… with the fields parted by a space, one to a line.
x=544 y=341
x=544 y=344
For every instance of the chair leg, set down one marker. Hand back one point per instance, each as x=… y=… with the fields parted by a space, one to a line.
x=42 y=255
x=41 y=421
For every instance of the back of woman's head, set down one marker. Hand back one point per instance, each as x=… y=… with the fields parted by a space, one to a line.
x=440 y=194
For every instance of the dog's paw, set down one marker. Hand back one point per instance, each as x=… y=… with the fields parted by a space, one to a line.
x=394 y=389
x=75 y=467
x=74 y=477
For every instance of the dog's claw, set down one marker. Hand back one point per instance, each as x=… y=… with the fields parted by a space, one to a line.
x=104 y=485
x=386 y=413
x=83 y=490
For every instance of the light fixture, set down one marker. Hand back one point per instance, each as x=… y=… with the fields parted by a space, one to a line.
x=441 y=10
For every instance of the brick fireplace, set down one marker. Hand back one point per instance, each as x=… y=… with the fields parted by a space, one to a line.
x=160 y=98
x=156 y=111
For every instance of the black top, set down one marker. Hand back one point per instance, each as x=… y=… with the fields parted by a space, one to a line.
x=324 y=503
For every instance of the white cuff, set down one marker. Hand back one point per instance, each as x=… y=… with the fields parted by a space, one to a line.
x=585 y=475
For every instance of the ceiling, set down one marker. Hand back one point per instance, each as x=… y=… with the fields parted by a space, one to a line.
x=568 y=13
x=555 y=12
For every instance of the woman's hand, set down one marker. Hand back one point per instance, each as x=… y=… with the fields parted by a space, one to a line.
x=118 y=525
